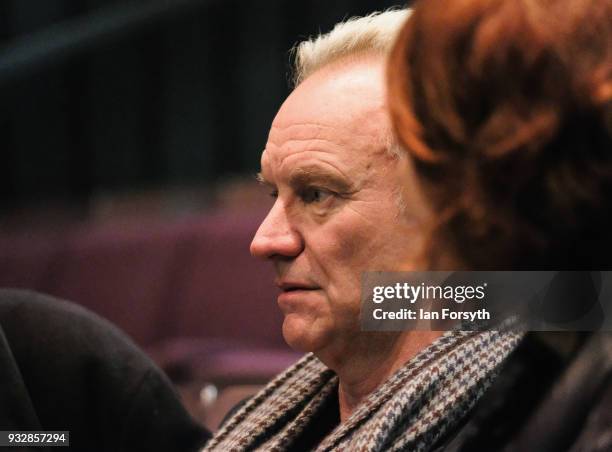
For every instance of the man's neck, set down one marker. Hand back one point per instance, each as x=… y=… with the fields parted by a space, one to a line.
x=380 y=356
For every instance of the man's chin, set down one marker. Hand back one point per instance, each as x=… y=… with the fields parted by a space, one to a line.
x=300 y=334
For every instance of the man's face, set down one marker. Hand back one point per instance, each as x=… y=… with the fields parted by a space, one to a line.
x=337 y=211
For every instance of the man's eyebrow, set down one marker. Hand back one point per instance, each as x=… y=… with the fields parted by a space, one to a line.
x=317 y=175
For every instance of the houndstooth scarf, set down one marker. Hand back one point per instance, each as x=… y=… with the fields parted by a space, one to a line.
x=412 y=410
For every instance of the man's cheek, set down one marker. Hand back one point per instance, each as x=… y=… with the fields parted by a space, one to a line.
x=344 y=301
x=353 y=245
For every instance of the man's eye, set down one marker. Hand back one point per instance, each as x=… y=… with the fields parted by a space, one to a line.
x=274 y=193
x=315 y=195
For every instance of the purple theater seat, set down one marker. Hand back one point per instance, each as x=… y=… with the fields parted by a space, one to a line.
x=223 y=291
x=213 y=375
x=122 y=272
x=31 y=260
x=223 y=362
x=188 y=291
x=157 y=281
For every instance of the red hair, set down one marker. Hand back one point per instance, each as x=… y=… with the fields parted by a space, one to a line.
x=506 y=109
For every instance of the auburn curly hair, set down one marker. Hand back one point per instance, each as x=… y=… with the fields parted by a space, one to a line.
x=506 y=109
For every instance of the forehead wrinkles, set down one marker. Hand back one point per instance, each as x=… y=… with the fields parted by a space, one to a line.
x=302 y=163
x=355 y=158
x=339 y=134
x=337 y=139
x=289 y=165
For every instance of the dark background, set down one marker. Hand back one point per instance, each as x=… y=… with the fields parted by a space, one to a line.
x=105 y=96
x=129 y=134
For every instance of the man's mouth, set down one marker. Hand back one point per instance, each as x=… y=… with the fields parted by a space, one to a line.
x=294 y=295
x=294 y=286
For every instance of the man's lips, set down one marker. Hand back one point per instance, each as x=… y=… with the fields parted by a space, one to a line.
x=294 y=294
x=292 y=286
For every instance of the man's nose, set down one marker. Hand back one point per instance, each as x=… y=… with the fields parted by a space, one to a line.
x=276 y=236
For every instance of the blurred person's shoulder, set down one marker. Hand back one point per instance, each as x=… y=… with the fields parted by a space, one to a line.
x=65 y=368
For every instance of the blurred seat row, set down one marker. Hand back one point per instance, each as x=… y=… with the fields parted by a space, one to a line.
x=187 y=291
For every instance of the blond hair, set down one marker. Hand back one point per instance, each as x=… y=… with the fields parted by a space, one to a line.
x=374 y=33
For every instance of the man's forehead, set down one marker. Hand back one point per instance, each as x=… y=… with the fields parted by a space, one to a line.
x=346 y=169
x=295 y=131
x=337 y=115
x=300 y=165
x=336 y=94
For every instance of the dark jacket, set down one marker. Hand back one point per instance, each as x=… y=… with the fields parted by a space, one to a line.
x=64 y=368
x=553 y=394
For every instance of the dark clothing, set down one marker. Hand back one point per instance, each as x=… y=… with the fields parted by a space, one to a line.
x=64 y=368
x=545 y=400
